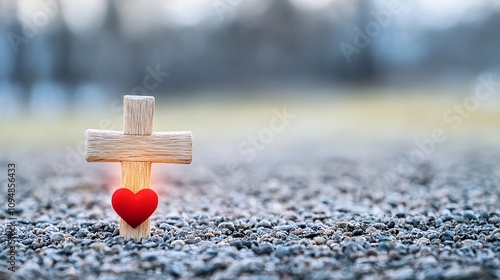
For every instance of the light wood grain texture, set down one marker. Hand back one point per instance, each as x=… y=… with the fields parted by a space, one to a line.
x=138 y=115
x=135 y=177
x=160 y=147
x=137 y=148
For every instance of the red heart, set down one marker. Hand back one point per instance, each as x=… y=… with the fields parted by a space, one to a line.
x=134 y=208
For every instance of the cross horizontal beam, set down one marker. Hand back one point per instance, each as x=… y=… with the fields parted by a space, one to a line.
x=159 y=147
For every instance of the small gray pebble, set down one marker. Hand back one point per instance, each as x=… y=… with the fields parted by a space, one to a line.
x=165 y=226
x=401 y=214
x=469 y=215
x=80 y=234
x=150 y=245
x=448 y=235
x=178 y=242
x=414 y=248
x=263 y=249
x=56 y=237
x=319 y=240
x=282 y=251
x=237 y=243
x=438 y=222
x=203 y=269
x=227 y=225
x=264 y=223
x=447 y=218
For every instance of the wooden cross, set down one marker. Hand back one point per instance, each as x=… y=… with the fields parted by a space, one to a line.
x=136 y=148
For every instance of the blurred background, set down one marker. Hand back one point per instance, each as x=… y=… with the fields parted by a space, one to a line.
x=345 y=68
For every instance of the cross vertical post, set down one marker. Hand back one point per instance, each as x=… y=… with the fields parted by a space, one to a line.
x=138 y=117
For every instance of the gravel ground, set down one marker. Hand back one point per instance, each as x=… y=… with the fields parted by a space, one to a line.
x=309 y=215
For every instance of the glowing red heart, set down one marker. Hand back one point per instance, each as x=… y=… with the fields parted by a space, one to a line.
x=134 y=208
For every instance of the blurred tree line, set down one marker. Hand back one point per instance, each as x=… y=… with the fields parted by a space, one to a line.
x=281 y=43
